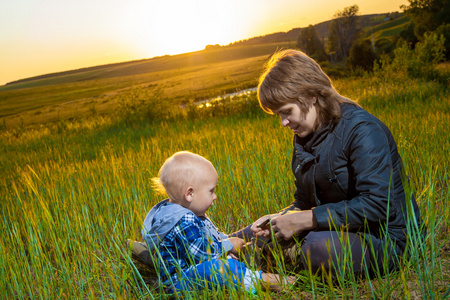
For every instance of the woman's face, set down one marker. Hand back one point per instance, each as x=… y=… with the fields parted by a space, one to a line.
x=292 y=116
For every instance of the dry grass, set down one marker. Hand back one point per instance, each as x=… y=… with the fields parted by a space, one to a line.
x=180 y=86
x=181 y=78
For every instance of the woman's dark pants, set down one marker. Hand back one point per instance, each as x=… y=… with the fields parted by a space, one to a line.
x=320 y=251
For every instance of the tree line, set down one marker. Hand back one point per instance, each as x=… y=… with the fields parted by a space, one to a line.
x=347 y=44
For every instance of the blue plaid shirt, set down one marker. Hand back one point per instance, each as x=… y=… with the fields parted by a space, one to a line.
x=185 y=246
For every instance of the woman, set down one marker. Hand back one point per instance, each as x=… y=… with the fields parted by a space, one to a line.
x=348 y=173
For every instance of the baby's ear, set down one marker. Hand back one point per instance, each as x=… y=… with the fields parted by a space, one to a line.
x=188 y=194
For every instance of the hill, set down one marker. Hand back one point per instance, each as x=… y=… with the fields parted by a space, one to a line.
x=157 y=64
x=233 y=51
x=322 y=29
x=177 y=79
x=173 y=79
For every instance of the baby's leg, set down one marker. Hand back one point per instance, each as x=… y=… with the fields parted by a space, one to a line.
x=276 y=282
x=230 y=273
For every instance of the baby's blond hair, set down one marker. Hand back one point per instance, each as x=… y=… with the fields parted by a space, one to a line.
x=178 y=172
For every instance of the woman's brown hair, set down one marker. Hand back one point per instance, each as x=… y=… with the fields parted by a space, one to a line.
x=292 y=76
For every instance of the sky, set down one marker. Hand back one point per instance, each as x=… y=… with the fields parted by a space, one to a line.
x=45 y=36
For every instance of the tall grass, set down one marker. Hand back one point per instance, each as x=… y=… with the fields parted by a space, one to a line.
x=72 y=195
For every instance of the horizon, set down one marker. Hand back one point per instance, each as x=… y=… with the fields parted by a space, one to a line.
x=82 y=34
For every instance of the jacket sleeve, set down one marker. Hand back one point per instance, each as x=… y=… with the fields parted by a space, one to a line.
x=299 y=203
x=370 y=168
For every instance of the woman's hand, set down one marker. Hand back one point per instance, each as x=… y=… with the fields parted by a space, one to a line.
x=259 y=230
x=294 y=223
x=286 y=226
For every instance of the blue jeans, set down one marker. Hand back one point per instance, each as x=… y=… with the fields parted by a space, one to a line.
x=219 y=272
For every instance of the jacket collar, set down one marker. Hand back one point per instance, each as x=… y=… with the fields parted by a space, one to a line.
x=305 y=147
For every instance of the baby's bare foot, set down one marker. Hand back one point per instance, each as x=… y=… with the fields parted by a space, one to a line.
x=276 y=282
x=290 y=279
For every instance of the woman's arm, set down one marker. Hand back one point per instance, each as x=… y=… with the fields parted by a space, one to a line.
x=371 y=167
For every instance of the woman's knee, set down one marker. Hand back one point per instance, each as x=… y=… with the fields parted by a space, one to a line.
x=330 y=249
x=316 y=251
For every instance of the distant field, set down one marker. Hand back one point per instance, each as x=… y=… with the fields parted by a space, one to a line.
x=180 y=79
x=388 y=29
x=157 y=64
x=177 y=79
x=394 y=23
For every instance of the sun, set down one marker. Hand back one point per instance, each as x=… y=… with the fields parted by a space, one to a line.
x=173 y=27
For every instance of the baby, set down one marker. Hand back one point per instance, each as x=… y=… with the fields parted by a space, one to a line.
x=191 y=252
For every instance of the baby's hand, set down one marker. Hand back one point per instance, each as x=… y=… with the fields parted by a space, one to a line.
x=237 y=243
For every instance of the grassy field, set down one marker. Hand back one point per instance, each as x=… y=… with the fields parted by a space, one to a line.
x=182 y=78
x=42 y=105
x=390 y=29
x=74 y=191
x=79 y=150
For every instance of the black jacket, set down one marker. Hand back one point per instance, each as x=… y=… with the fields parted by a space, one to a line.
x=351 y=173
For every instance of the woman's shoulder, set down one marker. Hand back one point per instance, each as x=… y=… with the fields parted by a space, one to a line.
x=353 y=116
x=356 y=122
x=351 y=111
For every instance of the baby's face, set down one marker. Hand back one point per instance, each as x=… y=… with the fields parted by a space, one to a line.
x=204 y=193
